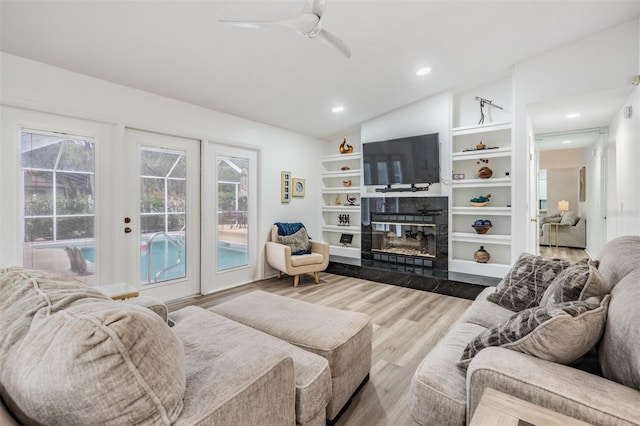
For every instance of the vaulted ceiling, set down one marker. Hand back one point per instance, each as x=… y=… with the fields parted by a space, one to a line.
x=179 y=49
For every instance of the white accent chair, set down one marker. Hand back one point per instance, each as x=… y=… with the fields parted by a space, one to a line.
x=279 y=257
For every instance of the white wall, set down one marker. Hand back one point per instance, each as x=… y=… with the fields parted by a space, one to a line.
x=625 y=134
x=603 y=61
x=33 y=85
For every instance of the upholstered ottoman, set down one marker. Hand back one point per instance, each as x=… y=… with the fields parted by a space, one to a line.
x=342 y=337
x=312 y=376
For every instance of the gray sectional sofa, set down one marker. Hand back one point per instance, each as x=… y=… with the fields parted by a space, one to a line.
x=70 y=355
x=445 y=393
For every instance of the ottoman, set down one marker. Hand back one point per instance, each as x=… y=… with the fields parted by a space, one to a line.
x=342 y=337
x=224 y=337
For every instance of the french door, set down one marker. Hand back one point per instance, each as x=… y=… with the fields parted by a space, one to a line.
x=161 y=224
x=229 y=244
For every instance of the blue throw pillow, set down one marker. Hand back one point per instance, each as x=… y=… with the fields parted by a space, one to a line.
x=288 y=228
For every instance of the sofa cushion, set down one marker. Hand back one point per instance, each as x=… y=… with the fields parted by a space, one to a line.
x=298 y=241
x=560 y=333
x=525 y=283
x=619 y=349
x=578 y=281
x=75 y=357
x=438 y=388
x=619 y=257
x=569 y=218
x=485 y=313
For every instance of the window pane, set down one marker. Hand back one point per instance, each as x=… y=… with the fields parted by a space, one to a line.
x=74 y=194
x=58 y=190
x=163 y=206
x=77 y=156
x=152 y=195
x=233 y=192
x=38 y=193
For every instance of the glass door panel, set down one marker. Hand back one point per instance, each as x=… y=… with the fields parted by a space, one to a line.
x=163 y=200
x=58 y=185
x=233 y=195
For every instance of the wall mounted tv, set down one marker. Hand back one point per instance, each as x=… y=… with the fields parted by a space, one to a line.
x=409 y=160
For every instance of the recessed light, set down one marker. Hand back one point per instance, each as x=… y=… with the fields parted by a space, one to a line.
x=565 y=142
x=423 y=71
x=573 y=115
x=339 y=108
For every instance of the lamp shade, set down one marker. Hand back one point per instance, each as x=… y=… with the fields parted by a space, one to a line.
x=563 y=205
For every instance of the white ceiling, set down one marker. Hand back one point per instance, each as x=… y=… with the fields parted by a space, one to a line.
x=179 y=49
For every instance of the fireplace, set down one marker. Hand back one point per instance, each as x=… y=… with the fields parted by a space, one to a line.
x=408 y=234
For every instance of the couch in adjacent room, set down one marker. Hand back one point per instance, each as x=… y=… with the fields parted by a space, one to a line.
x=533 y=336
x=567 y=230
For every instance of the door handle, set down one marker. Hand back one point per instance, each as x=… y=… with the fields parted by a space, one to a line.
x=533 y=219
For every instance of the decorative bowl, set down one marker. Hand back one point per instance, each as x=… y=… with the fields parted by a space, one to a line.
x=474 y=204
x=481 y=229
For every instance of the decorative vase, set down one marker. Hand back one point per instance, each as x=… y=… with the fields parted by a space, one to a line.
x=345 y=148
x=484 y=173
x=481 y=256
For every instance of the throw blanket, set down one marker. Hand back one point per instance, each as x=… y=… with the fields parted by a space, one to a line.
x=288 y=228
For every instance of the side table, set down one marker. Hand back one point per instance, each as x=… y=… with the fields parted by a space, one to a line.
x=497 y=408
x=119 y=291
x=557 y=229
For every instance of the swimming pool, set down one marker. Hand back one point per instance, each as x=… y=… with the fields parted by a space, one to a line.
x=165 y=255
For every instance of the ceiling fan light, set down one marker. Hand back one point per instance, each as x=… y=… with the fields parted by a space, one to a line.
x=423 y=71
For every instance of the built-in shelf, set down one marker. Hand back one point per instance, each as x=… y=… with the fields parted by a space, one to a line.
x=481 y=238
x=343 y=229
x=481 y=153
x=485 y=211
x=333 y=177
x=475 y=183
x=480 y=128
x=465 y=161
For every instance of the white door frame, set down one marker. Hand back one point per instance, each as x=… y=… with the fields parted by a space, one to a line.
x=214 y=280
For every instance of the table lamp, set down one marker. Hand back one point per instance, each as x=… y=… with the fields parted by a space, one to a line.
x=563 y=206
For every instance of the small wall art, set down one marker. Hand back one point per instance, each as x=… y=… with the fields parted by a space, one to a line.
x=285 y=187
x=298 y=187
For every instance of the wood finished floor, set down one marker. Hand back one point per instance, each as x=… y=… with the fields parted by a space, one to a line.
x=572 y=254
x=406 y=326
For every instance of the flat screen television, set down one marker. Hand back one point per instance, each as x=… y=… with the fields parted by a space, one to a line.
x=410 y=160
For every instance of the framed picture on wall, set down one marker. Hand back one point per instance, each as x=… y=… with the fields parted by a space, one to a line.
x=285 y=187
x=583 y=184
x=298 y=186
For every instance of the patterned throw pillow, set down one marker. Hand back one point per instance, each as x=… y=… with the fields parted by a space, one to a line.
x=577 y=282
x=298 y=241
x=559 y=333
x=525 y=283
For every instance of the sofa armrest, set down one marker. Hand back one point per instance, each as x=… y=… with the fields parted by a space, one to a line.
x=149 y=302
x=558 y=387
x=278 y=255
x=321 y=247
x=242 y=387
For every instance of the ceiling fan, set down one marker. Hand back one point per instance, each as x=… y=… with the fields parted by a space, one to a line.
x=308 y=24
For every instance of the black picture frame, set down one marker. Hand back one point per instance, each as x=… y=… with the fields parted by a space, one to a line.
x=346 y=239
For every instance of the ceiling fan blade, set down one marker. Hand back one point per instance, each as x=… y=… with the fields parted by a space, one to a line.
x=250 y=24
x=334 y=42
x=316 y=7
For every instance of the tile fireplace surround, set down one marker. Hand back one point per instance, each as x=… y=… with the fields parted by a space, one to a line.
x=417 y=257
